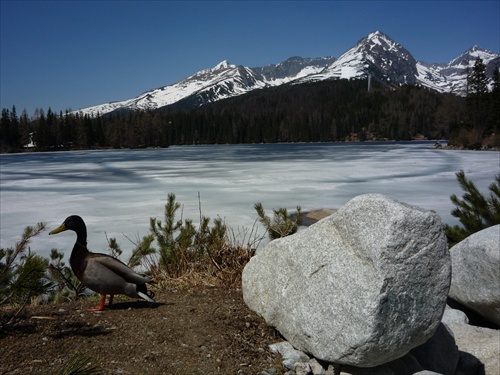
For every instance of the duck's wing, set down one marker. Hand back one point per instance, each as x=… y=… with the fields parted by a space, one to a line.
x=118 y=268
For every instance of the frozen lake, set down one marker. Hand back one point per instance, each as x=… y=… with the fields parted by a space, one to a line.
x=117 y=191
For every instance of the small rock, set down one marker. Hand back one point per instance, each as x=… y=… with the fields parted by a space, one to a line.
x=291 y=356
x=316 y=367
x=302 y=368
x=454 y=316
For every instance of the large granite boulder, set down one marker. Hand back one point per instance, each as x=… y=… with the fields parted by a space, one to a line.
x=475 y=281
x=362 y=287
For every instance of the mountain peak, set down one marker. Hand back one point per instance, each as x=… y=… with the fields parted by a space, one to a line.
x=381 y=39
x=376 y=34
x=377 y=55
x=468 y=58
x=223 y=65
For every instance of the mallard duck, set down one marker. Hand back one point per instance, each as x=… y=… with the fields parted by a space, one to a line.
x=100 y=272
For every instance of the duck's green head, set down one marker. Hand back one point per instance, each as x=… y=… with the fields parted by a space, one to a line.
x=73 y=222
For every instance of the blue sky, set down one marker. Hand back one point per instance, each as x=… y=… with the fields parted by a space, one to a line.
x=75 y=54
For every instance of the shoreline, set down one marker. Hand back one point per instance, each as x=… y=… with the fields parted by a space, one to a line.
x=313 y=216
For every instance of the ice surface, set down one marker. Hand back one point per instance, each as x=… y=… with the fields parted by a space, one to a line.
x=116 y=192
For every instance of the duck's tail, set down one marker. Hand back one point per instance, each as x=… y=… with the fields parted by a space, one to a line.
x=145 y=296
x=144 y=293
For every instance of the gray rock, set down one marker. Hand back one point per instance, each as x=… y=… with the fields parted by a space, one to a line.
x=361 y=287
x=454 y=316
x=303 y=368
x=476 y=273
x=316 y=367
x=439 y=355
x=332 y=370
x=479 y=349
x=291 y=356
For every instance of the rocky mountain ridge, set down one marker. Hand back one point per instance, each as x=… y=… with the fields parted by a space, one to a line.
x=376 y=55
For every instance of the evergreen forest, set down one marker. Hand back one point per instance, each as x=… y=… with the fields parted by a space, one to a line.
x=325 y=111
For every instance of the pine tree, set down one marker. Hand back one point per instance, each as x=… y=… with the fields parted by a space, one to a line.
x=496 y=81
x=9 y=128
x=495 y=106
x=282 y=224
x=66 y=284
x=5 y=129
x=24 y=126
x=478 y=80
x=22 y=274
x=475 y=211
x=477 y=102
x=41 y=133
x=15 y=135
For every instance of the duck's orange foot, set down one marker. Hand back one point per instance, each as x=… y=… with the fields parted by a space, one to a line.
x=97 y=308
x=101 y=304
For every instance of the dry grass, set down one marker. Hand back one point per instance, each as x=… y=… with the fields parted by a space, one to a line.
x=221 y=265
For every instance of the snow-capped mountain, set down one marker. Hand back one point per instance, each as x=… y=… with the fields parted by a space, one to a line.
x=293 y=68
x=222 y=81
x=451 y=77
x=389 y=62
x=376 y=55
x=219 y=82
